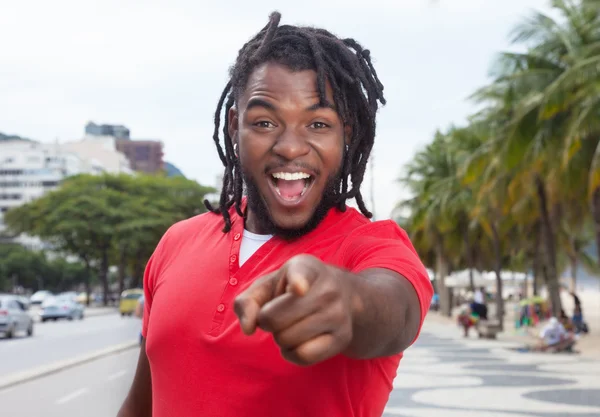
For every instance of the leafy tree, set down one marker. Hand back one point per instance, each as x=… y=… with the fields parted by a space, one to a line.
x=109 y=218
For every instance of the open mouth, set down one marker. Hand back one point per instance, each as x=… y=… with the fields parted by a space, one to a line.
x=291 y=186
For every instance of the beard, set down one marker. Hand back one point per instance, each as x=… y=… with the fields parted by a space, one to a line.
x=257 y=204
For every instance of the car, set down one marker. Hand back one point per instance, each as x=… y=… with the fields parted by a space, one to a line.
x=14 y=317
x=38 y=297
x=129 y=301
x=62 y=306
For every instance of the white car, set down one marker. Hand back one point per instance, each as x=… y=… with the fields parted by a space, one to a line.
x=39 y=297
x=14 y=317
x=62 y=306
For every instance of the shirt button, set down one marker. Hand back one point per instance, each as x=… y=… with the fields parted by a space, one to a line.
x=233 y=281
x=221 y=308
x=237 y=236
x=233 y=258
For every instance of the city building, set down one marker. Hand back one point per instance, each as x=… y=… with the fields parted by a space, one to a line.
x=144 y=155
x=103 y=151
x=118 y=131
x=30 y=169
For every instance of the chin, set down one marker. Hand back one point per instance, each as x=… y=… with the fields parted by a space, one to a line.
x=287 y=221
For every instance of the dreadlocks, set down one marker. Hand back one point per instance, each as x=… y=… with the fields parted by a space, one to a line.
x=356 y=92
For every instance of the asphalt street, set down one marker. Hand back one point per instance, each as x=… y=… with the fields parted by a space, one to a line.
x=95 y=389
x=443 y=375
x=61 y=340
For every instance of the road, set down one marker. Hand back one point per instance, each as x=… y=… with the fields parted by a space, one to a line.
x=95 y=389
x=443 y=375
x=61 y=340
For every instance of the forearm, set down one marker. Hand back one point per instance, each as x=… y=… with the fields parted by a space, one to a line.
x=386 y=314
x=138 y=402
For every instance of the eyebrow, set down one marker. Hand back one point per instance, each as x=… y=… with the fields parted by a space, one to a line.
x=258 y=102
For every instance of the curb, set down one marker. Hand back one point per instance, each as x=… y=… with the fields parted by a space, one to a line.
x=45 y=370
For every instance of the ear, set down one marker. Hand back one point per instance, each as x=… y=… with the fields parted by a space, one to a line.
x=233 y=125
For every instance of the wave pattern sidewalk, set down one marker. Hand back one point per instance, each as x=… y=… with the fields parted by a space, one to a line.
x=443 y=375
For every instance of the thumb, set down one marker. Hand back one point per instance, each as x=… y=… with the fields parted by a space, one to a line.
x=300 y=272
x=247 y=305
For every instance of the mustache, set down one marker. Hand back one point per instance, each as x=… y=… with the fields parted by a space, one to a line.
x=295 y=165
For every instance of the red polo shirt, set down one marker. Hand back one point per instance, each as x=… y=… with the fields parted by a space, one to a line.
x=201 y=362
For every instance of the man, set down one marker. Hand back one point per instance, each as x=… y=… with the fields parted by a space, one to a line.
x=284 y=303
x=478 y=306
x=555 y=338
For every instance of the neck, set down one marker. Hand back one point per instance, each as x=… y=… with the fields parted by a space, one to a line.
x=252 y=224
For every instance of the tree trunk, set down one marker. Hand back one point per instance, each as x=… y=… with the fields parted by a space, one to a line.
x=138 y=271
x=88 y=289
x=550 y=246
x=122 y=268
x=537 y=253
x=573 y=261
x=498 y=271
x=596 y=215
x=103 y=276
x=441 y=274
x=468 y=252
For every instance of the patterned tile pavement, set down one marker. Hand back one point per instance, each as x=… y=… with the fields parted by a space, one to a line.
x=445 y=375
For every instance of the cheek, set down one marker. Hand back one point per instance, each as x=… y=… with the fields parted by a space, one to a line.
x=332 y=154
x=251 y=149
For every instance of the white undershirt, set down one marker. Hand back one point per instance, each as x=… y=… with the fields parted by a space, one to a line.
x=250 y=244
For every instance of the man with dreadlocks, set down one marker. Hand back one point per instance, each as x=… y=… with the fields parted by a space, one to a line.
x=284 y=302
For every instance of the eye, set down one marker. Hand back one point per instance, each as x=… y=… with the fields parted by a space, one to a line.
x=319 y=125
x=265 y=124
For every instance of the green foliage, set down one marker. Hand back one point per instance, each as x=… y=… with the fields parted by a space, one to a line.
x=526 y=170
x=33 y=270
x=105 y=219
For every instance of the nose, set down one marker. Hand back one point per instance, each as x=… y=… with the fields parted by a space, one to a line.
x=291 y=145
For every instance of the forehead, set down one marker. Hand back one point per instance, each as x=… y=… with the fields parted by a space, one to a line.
x=279 y=82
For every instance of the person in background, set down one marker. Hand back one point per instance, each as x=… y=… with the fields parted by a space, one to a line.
x=467 y=319
x=435 y=302
x=478 y=305
x=555 y=338
x=580 y=326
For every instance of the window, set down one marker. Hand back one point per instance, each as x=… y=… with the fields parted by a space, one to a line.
x=142 y=153
x=7 y=196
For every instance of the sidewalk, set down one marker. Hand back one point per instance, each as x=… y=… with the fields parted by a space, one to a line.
x=587 y=346
x=446 y=375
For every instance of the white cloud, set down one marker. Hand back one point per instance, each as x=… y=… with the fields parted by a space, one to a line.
x=159 y=66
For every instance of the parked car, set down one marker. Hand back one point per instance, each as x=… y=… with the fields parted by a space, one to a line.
x=25 y=301
x=63 y=306
x=39 y=297
x=14 y=317
x=129 y=301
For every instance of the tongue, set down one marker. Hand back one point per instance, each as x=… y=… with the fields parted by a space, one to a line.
x=290 y=189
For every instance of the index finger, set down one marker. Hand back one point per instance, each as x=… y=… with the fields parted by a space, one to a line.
x=247 y=305
x=299 y=273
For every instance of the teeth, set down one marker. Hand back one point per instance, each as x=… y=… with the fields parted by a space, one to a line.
x=290 y=176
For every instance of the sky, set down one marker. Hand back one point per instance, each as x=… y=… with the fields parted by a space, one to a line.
x=159 y=66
